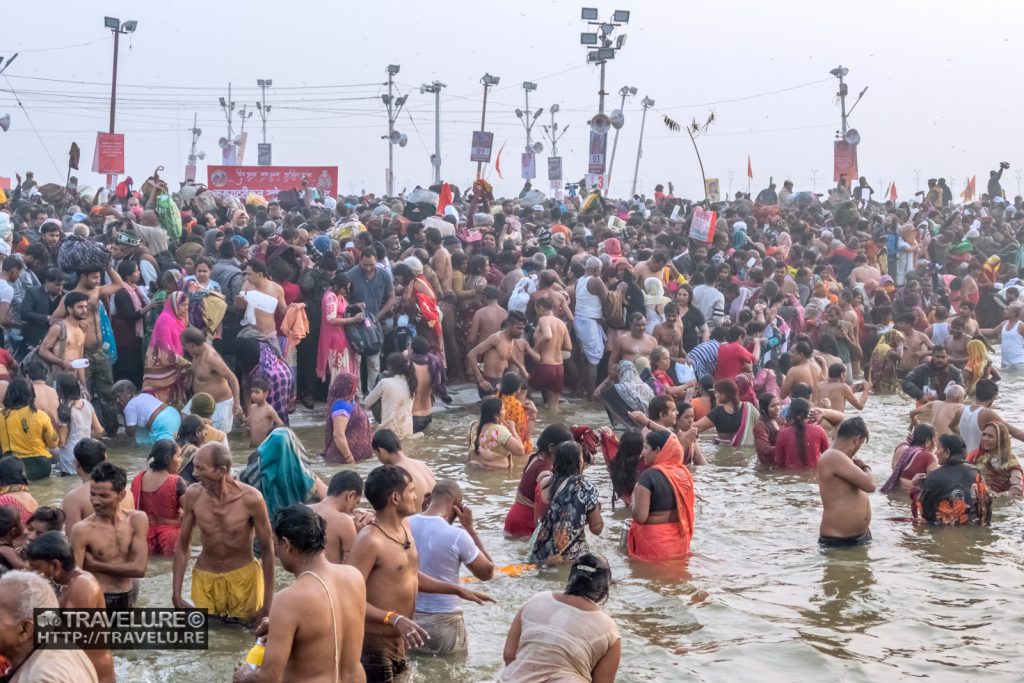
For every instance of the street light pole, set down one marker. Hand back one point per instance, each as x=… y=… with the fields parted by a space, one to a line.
x=487 y=81
x=647 y=103
x=262 y=107
x=394 y=106
x=435 y=158
x=625 y=91
x=117 y=28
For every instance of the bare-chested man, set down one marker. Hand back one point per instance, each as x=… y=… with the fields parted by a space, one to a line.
x=670 y=333
x=844 y=483
x=227 y=580
x=50 y=555
x=315 y=630
x=210 y=374
x=386 y=556
x=550 y=287
x=64 y=343
x=100 y=373
x=497 y=352
x=261 y=298
x=388 y=449
x=46 y=396
x=802 y=370
x=862 y=272
x=917 y=346
x=956 y=343
x=111 y=543
x=338 y=508
x=488 y=319
x=943 y=415
x=77 y=505
x=838 y=392
x=842 y=330
x=634 y=344
x=965 y=312
x=551 y=342
x=440 y=260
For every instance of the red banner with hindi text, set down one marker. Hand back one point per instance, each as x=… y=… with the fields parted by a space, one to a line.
x=268 y=181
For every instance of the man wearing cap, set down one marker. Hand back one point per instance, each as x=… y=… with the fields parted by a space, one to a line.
x=203 y=406
x=127 y=247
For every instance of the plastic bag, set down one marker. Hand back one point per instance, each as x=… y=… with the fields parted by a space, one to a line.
x=170 y=216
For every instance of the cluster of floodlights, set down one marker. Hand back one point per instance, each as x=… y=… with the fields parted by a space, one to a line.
x=599 y=42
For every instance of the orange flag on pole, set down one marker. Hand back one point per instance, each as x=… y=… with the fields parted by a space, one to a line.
x=892 y=190
x=750 y=169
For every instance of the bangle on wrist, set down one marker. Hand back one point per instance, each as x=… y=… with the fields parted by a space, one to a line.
x=394 y=624
x=387 y=618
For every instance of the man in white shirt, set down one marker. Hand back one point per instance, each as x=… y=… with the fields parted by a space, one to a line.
x=443 y=549
x=146 y=417
x=706 y=297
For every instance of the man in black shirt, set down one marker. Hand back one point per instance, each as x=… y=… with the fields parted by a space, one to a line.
x=953 y=494
x=38 y=305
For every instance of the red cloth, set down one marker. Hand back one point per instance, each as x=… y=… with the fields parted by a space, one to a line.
x=8 y=501
x=786 y=454
x=520 y=518
x=445 y=198
x=731 y=358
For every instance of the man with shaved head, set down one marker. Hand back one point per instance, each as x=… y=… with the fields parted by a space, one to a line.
x=227 y=579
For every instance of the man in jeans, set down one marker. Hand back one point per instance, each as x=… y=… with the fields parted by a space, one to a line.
x=443 y=549
x=371 y=287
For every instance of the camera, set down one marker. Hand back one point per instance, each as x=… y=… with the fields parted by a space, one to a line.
x=1004 y=164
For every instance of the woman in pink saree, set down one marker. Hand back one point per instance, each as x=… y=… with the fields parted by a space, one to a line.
x=164 y=375
x=333 y=355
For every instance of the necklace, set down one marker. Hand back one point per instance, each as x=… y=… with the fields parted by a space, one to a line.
x=391 y=538
x=14 y=488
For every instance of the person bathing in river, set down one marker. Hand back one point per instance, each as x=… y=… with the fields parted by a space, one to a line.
x=844 y=483
x=662 y=506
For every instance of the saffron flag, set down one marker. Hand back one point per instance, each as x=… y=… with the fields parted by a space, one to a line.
x=750 y=169
x=497 y=160
x=892 y=190
x=445 y=198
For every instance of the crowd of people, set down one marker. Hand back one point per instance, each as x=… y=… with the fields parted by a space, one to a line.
x=197 y=322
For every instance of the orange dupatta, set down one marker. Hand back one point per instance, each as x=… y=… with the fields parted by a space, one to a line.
x=670 y=463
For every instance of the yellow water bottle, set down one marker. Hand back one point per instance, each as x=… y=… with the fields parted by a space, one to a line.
x=255 y=657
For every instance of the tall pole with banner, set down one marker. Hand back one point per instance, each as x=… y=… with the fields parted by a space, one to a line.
x=394 y=106
x=117 y=28
x=600 y=49
x=487 y=81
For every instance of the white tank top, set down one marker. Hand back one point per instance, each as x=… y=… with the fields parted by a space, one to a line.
x=939 y=333
x=970 y=432
x=1012 y=346
x=587 y=305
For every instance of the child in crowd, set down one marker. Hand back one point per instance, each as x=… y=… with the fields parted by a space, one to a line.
x=263 y=419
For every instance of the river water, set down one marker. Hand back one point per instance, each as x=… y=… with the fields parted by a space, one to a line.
x=757 y=598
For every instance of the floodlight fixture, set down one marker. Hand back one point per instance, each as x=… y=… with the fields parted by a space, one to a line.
x=554 y=108
x=605 y=53
x=538 y=113
x=393 y=69
x=223 y=103
x=528 y=86
x=620 y=16
x=519 y=113
x=588 y=39
x=620 y=42
x=111 y=23
x=129 y=26
x=647 y=102
x=588 y=14
x=606 y=29
x=839 y=71
x=488 y=79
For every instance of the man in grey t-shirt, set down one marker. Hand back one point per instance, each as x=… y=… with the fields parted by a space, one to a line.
x=371 y=286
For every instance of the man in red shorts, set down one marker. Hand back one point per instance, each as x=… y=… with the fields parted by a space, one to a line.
x=551 y=342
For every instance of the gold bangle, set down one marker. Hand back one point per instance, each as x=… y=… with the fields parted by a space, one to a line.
x=387 y=618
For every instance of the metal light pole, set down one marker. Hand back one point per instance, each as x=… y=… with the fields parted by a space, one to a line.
x=228 y=106
x=647 y=103
x=394 y=106
x=600 y=49
x=193 y=156
x=243 y=114
x=487 y=81
x=625 y=91
x=553 y=135
x=814 y=180
x=262 y=107
x=117 y=28
x=435 y=158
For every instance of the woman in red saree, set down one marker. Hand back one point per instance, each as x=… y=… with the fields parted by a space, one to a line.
x=157 y=492
x=420 y=303
x=165 y=362
x=663 y=514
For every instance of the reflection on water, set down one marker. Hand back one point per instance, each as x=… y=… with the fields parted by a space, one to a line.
x=757 y=599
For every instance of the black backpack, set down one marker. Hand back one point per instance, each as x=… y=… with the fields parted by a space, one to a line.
x=365 y=338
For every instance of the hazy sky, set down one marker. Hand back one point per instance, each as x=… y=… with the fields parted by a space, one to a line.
x=940 y=98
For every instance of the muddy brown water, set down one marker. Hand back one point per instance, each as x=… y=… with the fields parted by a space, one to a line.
x=756 y=600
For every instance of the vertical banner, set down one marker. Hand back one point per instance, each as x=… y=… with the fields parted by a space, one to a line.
x=481 y=148
x=555 y=169
x=228 y=155
x=713 y=189
x=190 y=172
x=598 y=149
x=243 y=138
x=263 y=155
x=845 y=161
x=529 y=166
x=108 y=157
